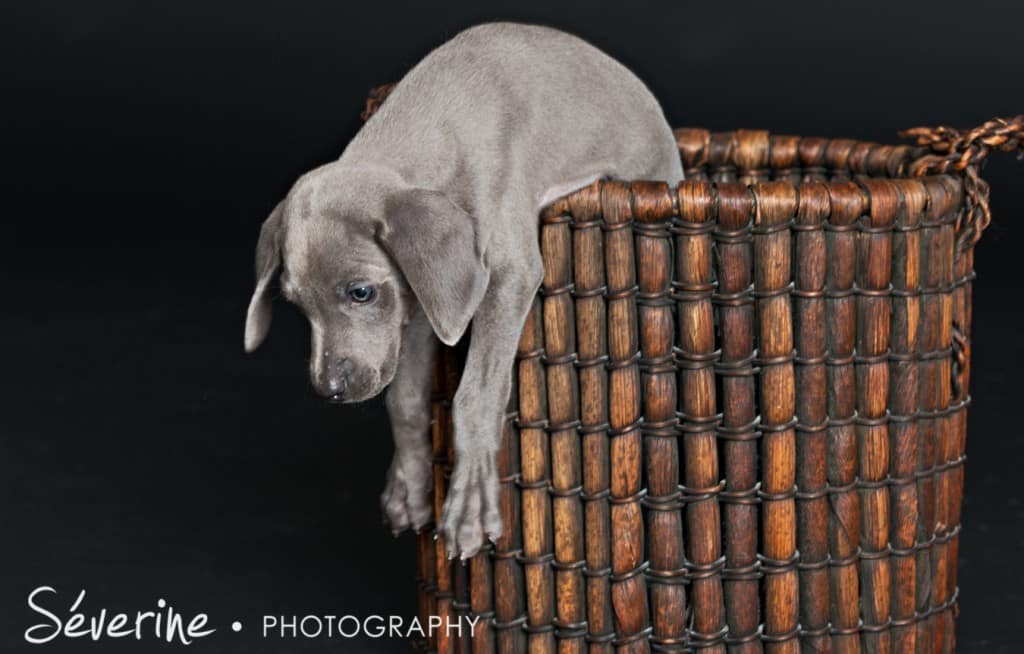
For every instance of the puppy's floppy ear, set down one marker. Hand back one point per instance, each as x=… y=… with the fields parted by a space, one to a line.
x=268 y=260
x=440 y=251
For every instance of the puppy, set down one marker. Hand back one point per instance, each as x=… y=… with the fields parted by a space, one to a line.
x=427 y=226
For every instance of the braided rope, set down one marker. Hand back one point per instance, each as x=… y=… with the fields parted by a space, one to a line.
x=957 y=150
x=963 y=151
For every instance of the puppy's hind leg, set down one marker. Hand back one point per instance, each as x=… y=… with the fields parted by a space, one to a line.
x=406 y=497
x=471 y=511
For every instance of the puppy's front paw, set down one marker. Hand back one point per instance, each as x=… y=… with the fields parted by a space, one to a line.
x=406 y=497
x=471 y=513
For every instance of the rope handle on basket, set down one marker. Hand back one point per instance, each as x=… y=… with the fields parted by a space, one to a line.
x=960 y=151
x=956 y=151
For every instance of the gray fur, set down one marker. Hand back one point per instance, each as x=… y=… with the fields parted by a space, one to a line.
x=435 y=202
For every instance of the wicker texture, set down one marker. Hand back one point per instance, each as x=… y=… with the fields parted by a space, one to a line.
x=739 y=407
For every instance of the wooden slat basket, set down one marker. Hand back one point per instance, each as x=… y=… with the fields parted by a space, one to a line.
x=739 y=408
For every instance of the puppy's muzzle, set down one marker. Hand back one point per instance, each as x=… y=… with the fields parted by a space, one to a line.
x=332 y=380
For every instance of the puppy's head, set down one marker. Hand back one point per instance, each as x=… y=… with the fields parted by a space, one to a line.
x=357 y=251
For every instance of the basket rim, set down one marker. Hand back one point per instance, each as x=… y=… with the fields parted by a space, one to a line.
x=757 y=151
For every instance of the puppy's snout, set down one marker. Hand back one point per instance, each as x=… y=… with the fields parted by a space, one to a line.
x=333 y=378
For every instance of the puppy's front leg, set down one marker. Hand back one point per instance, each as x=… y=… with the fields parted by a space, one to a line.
x=471 y=510
x=406 y=497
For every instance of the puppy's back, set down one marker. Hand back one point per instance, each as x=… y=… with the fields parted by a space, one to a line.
x=531 y=99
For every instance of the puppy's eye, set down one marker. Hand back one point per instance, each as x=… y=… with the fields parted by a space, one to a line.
x=362 y=293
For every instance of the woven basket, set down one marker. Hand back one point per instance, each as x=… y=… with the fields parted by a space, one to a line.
x=739 y=407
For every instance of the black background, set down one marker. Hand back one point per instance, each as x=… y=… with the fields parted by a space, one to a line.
x=144 y=456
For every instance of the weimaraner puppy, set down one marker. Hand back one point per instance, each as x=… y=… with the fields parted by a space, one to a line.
x=427 y=226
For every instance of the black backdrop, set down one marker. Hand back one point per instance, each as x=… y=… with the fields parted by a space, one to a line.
x=144 y=456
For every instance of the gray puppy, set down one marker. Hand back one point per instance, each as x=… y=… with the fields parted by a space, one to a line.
x=427 y=225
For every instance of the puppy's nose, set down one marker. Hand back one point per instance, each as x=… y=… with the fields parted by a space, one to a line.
x=334 y=378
